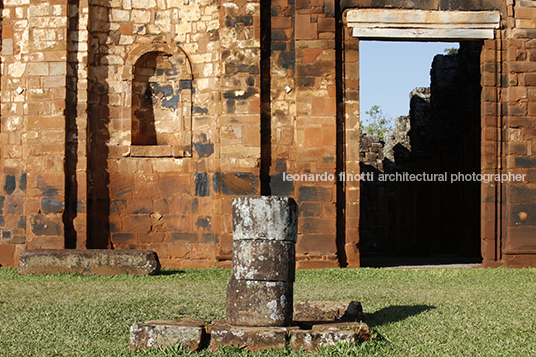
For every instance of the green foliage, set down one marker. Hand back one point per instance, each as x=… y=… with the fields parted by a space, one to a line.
x=451 y=51
x=377 y=122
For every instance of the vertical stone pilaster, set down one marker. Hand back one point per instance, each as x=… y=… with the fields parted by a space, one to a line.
x=14 y=116
x=519 y=115
x=491 y=149
x=283 y=91
x=352 y=144
x=46 y=98
x=76 y=125
x=239 y=121
x=33 y=122
x=316 y=133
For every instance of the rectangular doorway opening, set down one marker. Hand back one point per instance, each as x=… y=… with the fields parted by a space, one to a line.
x=420 y=201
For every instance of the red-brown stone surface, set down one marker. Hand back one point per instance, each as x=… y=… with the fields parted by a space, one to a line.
x=311 y=340
x=228 y=126
x=188 y=332
x=259 y=303
x=252 y=338
x=88 y=262
x=264 y=260
x=360 y=328
x=342 y=311
x=7 y=252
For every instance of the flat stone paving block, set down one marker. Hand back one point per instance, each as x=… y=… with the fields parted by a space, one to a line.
x=264 y=260
x=259 y=303
x=252 y=338
x=265 y=217
x=162 y=333
x=89 y=261
x=328 y=311
x=361 y=328
x=310 y=340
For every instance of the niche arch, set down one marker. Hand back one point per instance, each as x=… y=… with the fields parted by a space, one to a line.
x=159 y=105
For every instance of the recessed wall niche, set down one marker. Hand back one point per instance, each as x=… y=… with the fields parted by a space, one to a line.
x=161 y=102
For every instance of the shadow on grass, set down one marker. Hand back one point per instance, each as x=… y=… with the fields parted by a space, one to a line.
x=395 y=313
x=170 y=272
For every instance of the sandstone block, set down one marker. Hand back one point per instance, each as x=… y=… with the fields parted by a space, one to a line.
x=252 y=338
x=7 y=253
x=311 y=340
x=328 y=311
x=264 y=217
x=324 y=106
x=305 y=29
x=361 y=328
x=161 y=334
x=259 y=303
x=88 y=261
x=16 y=69
x=151 y=150
x=263 y=260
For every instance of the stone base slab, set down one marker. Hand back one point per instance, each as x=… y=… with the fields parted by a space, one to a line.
x=88 y=261
x=193 y=335
x=252 y=338
x=306 y=335
x=311 y=340
x=160 y=334
x=360 y=328
x=343 y=311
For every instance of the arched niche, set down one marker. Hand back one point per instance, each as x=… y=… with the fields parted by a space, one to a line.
x=160 y=113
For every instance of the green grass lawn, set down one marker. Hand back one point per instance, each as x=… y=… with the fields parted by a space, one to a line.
x=479 y=312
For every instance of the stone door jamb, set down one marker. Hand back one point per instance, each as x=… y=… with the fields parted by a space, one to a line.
x=424 y=25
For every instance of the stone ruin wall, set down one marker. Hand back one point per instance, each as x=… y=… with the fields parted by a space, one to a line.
x=119 y=195
x=71 y=177
x=304 y=122
x=507 y=115
x=71 y=163
x=515 y=246
x=174 y=203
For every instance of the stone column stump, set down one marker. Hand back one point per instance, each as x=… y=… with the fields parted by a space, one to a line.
x=264 y=237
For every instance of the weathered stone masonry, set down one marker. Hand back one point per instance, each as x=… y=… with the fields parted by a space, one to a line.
x=132 y=124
